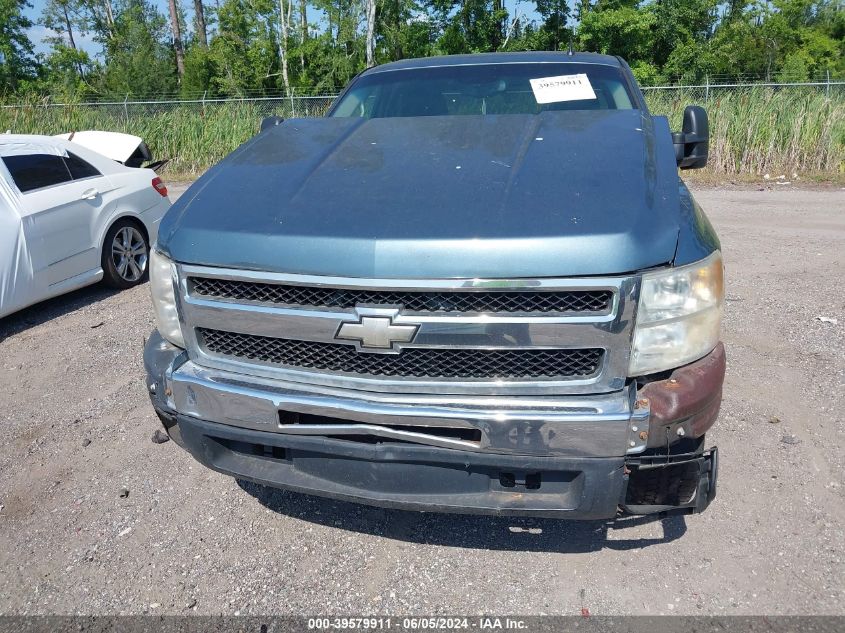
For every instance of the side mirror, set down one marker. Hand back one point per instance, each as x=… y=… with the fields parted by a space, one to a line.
x=270 y=121
x=691 y=145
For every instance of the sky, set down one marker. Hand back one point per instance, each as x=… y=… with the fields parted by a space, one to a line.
x=86 y=42
x=37 y=33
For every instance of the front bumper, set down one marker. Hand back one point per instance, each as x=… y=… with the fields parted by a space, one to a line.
x=568 y=457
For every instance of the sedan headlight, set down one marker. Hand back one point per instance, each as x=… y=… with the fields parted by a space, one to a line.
x=162 y=283
x=679 y=316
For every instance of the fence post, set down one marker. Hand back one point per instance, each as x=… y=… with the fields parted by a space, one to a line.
x=828 y=84
x=204 y=92
x=126 y=108
x=706 y=88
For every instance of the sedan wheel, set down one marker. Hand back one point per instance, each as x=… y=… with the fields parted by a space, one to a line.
x=125 y=255
x=129 y=253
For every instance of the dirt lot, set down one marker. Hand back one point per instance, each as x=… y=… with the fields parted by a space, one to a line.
x=77 y=427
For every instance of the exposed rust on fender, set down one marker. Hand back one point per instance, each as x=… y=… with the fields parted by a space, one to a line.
x=690 y=398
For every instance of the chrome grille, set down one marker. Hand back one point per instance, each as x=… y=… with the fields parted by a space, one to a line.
x=496 y=337
x=577 y=301
x=415 y=362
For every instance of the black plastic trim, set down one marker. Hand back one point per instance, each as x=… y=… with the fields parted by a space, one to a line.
x=412 y=477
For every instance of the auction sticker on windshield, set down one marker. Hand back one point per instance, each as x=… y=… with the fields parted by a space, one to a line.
x=562 y=88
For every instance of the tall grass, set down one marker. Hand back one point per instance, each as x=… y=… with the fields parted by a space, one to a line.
x=193 y=137
x=753 y=131
x=759 y=130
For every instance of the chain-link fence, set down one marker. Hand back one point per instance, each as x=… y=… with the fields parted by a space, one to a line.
x=293 y=106
x=755 y=127
x=704 y=93
x=307 y=105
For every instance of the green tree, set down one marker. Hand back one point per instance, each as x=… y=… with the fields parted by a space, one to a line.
x=62 y=16
x=245 y=47
x=328 y=65
x=738 y=46
x=618 y=29
x=139 y=61
x=681 y=25
x=470 y=26
x=199 y=71
x=16 y=61
x=403 y=29
x=244 y=53
x=66 y=71
x=66 y=66
x=97 y=17
x=555 y=18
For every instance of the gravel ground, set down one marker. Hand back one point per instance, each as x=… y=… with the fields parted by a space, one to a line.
x=95 y=518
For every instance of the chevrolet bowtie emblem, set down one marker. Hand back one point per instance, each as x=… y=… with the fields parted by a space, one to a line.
x=376 y=332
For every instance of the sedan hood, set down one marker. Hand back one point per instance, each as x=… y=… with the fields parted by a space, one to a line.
x=554 y=194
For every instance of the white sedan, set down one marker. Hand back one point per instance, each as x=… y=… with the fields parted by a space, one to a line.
x=70 y=217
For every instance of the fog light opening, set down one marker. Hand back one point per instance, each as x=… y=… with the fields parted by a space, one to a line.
x=671 y=485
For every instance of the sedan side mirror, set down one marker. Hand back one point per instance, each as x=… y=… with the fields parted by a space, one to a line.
x=691 y=145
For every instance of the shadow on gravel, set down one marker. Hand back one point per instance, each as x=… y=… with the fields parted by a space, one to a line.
x=50 y=309
x=466 y=531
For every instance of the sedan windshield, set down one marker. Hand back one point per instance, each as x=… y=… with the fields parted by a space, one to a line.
x=516 y=88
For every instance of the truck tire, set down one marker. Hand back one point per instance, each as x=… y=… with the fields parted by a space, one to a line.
x=126 y=252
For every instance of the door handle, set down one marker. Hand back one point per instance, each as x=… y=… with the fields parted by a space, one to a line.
x=89 y=194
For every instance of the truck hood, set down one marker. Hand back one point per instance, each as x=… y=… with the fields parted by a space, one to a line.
x=554 y=194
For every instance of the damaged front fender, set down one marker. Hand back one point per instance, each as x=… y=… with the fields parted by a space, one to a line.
x=686 y=404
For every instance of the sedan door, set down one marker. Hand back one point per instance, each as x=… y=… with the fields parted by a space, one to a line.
x=61 y=199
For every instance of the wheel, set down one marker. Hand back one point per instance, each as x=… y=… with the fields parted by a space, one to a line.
x=125 y=255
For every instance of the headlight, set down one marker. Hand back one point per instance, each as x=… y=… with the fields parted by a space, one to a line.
x=679 y=316
x=162 y=280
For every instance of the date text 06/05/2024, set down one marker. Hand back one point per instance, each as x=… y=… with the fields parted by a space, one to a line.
x=416 y=623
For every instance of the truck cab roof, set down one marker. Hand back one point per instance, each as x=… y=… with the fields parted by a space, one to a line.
x=523 y=57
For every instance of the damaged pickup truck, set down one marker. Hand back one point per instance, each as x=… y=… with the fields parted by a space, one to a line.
x=477 y=285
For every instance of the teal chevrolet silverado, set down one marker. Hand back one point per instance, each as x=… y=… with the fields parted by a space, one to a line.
x=477 y=285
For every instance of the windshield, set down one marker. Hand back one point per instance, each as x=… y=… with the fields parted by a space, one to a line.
x=486 y=89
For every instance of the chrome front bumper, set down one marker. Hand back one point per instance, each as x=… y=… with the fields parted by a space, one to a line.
x=585 y=457
x=603 y=425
